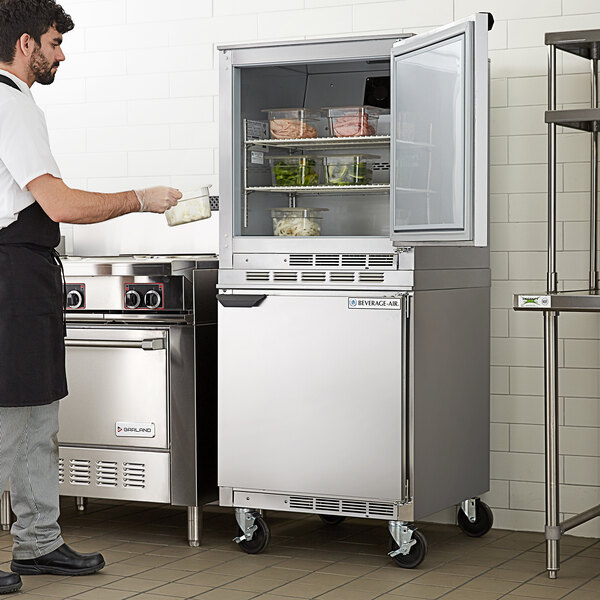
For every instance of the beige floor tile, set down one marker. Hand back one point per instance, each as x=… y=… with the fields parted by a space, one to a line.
x=343 y=594
x=223 y=594
x=60 y=589
x=180 y=590
x=412 y=590
x=395 y=574
x=370 y=585
x=104 y=594
x=458 y=568
x=546 y=592
x=441 y=579
x=302 y=590
x=490 y=584
x=134 y=584
x=207 y=579
x=163 y=574
x=462 y=594
x=350 y=570
x=581 y=595
x=254 y=583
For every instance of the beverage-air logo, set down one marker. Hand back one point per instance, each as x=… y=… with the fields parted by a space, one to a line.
x=123 y=429
x=375 y=303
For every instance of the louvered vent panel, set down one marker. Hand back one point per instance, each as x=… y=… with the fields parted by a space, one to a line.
x=371 y=277
x=79 y=472
x=61 y=470
x=354 y=507
x=106 y=474
x=329 y=504
x=301 y=503
x=381 y=260
x=285 y=276
x=381 y=510
x=257 y=276
x=342 y=276
x=134 y=475
x=301 y=260
x=354 y=260
x=313 y=276
x=327 y=260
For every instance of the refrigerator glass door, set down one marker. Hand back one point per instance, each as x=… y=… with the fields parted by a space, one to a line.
x=313 y=400
x=439 y=140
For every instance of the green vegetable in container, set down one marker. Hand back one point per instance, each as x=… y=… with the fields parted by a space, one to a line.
x=302 y=173
x=349 y=174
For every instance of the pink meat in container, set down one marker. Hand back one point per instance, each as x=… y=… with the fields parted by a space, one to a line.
x=293 y=123
x=353 y=121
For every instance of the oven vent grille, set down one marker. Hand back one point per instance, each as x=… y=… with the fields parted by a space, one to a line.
x=354 y=260
x=301 y=260
x=134 y=475
x=381 y=260
x=301 y=503
x=106 y=474
x=372 y=277
x=327 y=260
x=79 y=472
x=257 y=276
x=342 y=276
x=313 y=276
x=348 y=507
x=61 y=470
x=285 y=276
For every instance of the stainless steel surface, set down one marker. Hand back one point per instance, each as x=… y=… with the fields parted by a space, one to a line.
x=5 y=512
x=323 y=189
x=552 y=275
x=374 y=141
x=594 y=186
x=402 y=535
x=585 y=119
x=156 y=344
x=245 y=518
x=194 y=526
x=469 y=508
x=579 y=519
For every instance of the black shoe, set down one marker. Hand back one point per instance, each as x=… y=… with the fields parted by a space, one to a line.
x=63 y=561
x=9 y=582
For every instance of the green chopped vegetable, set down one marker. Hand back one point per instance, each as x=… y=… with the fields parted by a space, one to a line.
x=349 y=174
x=302 y=173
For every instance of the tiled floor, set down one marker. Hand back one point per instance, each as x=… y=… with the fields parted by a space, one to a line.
x=148 y=559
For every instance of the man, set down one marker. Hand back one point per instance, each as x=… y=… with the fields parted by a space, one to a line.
x=33 y=201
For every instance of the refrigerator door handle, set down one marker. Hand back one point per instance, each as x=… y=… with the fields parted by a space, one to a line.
x=240 y=300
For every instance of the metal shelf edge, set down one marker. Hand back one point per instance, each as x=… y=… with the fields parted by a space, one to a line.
x=583 y=302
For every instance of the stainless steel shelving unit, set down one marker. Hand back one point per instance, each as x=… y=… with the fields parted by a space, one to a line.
x=587 y=45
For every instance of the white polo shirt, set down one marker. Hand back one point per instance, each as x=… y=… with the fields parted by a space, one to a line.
x=24 y=148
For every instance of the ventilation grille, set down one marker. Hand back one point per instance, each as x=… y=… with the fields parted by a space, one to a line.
x=348 y=507
x=79 y=472
x=342 y=276
x=381 y=261
x=371 y=277
x=61 y=470
x=354 y=260
x=301 y=260
x=285 y=276
x=257 y=276
x=327 y=260
x=106 y=474
x=134 y=475
x=313 y=276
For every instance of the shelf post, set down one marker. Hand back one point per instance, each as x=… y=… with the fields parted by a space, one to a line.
x=552 y=276
x=594 y=180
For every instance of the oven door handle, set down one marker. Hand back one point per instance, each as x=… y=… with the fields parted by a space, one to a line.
x=152 y=344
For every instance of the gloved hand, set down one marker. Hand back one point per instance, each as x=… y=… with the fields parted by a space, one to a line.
x=157 y=199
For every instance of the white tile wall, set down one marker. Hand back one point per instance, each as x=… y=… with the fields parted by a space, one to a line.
x=136 y=104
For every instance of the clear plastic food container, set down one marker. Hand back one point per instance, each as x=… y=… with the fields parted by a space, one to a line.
x=293 y=123
x=353 y=121
x=294 y=170
x=351 y=169
x=193 y=206
x=297 y=221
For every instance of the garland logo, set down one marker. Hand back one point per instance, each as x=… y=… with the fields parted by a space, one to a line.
x=126 y=429
x=375 y=303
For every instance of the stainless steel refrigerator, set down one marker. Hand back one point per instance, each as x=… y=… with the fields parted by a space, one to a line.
x=354 y=364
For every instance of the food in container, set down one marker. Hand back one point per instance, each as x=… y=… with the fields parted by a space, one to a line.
x=351 y=169
x=293 y=123
x=294 y=170
x=297 y=221
x=353 y=121
x=193 y=206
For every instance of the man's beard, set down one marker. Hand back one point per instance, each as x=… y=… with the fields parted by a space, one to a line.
x=41 y=68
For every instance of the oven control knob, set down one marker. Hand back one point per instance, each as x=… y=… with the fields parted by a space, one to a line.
x=132 y=299
x=74 y=299
x=152 y=299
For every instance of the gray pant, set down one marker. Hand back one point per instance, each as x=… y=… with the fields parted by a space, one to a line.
x=29 y=458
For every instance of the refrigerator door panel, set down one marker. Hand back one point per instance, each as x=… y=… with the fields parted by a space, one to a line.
x=311 y=396
x=439 y=147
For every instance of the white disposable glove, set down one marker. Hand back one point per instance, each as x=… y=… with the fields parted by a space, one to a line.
x=157 y=199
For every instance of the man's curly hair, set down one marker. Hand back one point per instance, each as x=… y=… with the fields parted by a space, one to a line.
x=34 y=17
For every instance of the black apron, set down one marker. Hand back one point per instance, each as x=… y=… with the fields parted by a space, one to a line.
x=32 y=330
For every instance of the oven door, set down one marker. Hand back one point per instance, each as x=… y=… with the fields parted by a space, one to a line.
x=118 y=387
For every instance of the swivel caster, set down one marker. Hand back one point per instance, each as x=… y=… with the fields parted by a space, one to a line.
x=475 y=517
x=253 y=532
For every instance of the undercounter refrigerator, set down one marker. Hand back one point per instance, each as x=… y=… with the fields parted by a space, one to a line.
x=354 y=281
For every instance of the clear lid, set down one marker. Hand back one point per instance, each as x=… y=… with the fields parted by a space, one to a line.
x=345 y=158
x=297 y=212
x=344 y=111
x=293 y=159
x=293 y=113
x=199 y=192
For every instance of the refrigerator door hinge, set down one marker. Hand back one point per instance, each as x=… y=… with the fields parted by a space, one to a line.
x=407 y=491
x=407 y=306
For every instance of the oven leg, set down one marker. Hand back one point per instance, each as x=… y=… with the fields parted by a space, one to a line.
x=81 y=503
x=5 y=514
x=194 y=525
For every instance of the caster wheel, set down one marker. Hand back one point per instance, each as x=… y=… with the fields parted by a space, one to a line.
x=417 y=552
x=484 y=519
x=332 y=519
x=260 y=539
